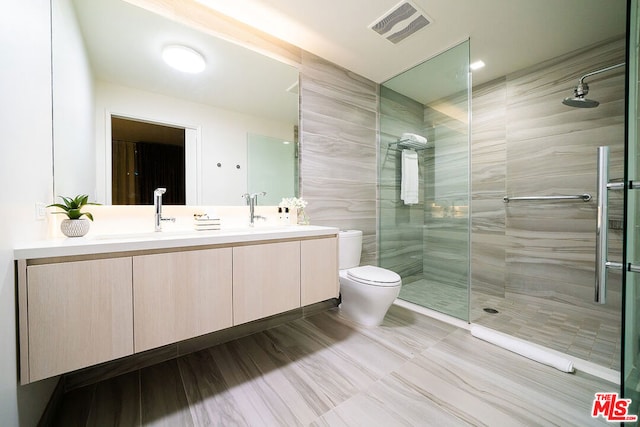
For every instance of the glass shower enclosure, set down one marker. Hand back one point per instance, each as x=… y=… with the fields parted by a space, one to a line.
x=630 y=375
x=424 y=225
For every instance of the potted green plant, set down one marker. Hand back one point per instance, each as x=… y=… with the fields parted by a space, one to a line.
x=74 y=225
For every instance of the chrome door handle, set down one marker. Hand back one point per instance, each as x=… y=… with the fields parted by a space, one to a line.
x=602 y=226
x=634 y=268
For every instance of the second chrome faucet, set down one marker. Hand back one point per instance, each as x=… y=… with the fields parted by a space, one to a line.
x=157 y=204
x=252 y=201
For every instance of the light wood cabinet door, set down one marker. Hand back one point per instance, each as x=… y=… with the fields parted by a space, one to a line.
x=266 y=280
x=80 y=314
x=181 y=295
x=318 y=270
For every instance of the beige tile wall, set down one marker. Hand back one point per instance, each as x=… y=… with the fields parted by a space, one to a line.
x=338 y=155
x=488 y=175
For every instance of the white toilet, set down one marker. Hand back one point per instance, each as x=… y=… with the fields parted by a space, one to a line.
x=368 y=291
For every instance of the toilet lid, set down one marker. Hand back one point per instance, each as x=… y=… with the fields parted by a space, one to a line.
x=374 y=275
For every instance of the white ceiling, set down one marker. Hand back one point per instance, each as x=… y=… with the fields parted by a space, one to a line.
x=124 y=42
x=507 y=35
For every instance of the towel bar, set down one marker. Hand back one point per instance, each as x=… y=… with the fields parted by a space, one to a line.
x=584 y=197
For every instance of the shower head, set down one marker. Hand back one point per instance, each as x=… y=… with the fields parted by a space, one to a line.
x=580 y=91
x=578 y=99
x=580 y=102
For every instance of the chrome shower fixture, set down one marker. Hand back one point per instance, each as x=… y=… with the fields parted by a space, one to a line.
x=580 y=91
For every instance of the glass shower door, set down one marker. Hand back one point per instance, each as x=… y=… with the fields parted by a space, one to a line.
x=631 y=339
x=424 y=113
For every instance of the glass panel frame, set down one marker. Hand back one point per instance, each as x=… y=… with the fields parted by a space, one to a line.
x=630 y=373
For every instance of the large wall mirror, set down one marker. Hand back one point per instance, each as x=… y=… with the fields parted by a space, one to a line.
x=108 y=66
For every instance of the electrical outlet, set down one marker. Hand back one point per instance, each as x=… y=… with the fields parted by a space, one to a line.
x=41 y=211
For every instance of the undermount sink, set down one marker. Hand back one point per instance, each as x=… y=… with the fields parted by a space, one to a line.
x=169 y=234
x=144 y=235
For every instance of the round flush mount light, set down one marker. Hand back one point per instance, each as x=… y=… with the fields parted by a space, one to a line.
x=183 y=58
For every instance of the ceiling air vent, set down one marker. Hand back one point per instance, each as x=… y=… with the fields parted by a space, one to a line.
x=400 y=22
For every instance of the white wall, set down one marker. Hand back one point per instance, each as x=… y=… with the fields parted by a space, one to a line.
x=26 y=176
x=223 y=133
x=72 y=106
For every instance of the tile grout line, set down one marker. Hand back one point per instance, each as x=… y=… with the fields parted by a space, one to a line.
x=139 y=377
x=184 y=390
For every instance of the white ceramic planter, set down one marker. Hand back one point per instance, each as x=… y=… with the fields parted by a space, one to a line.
x=75 y=227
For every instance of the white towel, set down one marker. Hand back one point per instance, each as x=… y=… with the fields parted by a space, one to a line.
x=410 y=177
x=414 y=138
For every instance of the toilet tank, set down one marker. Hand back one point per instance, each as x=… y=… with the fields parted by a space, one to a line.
x=349 y=248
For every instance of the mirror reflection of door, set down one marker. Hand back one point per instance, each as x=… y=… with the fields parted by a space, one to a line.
x=146 y=156
x=272 y=168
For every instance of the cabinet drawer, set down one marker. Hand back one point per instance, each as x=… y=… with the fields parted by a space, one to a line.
x=266 y=280
x=180 y=295
x=319 y=270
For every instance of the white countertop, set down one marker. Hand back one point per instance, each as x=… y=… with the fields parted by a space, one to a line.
x=108 y=243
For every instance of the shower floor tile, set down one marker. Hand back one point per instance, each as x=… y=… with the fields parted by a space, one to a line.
x=447 y=299
x=576 y=332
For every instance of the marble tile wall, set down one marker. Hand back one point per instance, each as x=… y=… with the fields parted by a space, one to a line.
x=338 y=155
x=488 y=178
x=527 y=143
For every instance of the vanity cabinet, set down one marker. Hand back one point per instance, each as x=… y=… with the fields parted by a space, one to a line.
x=78 y=308
x=79 y=314
x=180 y=295
x=266 y=280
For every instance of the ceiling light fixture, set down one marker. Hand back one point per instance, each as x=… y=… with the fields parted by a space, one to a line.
x=183 y=58
x=476 y=65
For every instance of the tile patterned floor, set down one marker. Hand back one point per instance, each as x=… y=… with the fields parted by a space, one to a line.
x=325 y=371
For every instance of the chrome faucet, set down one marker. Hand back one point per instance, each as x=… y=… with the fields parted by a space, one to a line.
x=252 y=200
x=157 y=204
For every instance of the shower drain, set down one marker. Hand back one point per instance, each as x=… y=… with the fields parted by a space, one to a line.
x=490 y=310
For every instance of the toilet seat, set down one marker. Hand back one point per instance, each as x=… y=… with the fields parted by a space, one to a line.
x=374 y=276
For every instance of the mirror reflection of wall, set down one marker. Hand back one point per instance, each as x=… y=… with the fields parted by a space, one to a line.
x=107 y=61
x=271 y=167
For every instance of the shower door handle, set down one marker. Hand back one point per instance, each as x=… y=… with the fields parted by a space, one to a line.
x=602 y=226
x=634 y=268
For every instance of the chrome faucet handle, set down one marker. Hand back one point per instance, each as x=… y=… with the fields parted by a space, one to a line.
x=252 y=195
x=255 y=196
